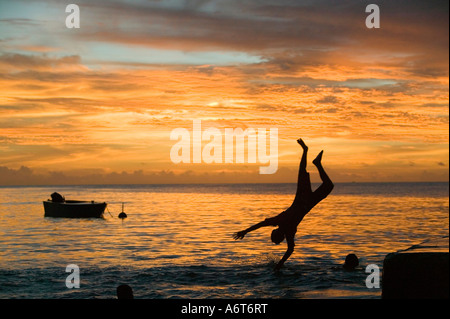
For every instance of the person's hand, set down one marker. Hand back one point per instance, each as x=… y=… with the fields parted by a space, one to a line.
x=239 y=235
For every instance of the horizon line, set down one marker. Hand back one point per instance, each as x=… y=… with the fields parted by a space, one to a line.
x=237 y=183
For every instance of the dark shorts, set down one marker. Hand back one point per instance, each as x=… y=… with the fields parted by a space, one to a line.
x=286 y=221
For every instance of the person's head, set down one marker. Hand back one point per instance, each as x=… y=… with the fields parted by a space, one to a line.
x=351 y=262
x=277 y=236
x=124 y=292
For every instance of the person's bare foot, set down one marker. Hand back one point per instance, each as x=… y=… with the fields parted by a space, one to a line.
x=302 y=144
x=318 y=159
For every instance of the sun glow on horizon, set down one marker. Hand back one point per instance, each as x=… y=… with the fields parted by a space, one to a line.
x=105 y=97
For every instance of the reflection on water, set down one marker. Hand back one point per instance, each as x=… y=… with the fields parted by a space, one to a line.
x=176 y=242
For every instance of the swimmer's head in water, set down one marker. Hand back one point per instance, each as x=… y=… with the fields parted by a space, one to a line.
x=277 y=236
x=351 y=262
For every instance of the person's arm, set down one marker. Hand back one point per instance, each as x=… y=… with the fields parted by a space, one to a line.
x=241 y=234
x=291 y=244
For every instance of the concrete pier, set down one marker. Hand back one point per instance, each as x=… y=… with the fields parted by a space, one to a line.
x=419 y=272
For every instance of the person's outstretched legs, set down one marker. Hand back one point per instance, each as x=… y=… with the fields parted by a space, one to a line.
x=323 y=175
x=327 y=185
x=302 y=168
x=303 y=182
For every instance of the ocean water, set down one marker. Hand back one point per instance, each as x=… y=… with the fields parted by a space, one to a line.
x=177 y=240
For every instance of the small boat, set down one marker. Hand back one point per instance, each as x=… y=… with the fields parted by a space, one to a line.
x=59 y=207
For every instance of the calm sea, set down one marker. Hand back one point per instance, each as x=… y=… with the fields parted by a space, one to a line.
x=177 y=240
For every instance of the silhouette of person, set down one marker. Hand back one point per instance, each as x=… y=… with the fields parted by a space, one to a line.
x=124 y=292
x=305 y=200
x=351 y=262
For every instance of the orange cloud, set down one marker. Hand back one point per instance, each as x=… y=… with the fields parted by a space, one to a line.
x=377 y=102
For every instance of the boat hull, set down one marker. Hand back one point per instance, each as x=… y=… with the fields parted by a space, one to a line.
x=74 y=209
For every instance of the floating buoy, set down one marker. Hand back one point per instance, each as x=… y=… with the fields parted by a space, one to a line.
x=122 y=215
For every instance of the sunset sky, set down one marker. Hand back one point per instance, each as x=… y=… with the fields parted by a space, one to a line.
x=97 y=104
